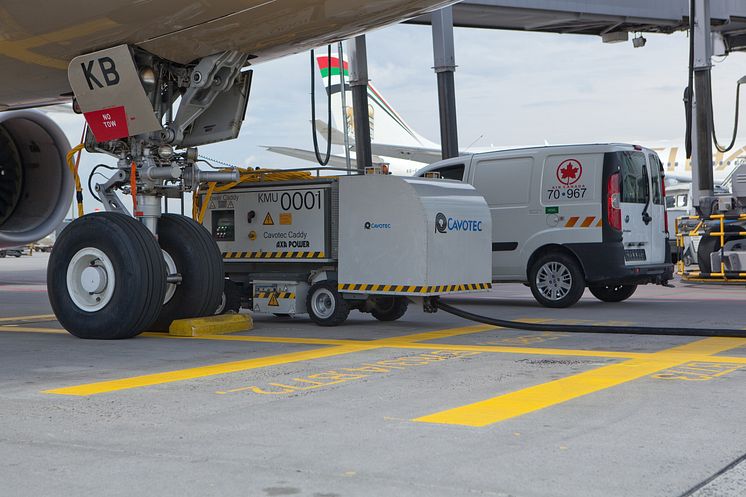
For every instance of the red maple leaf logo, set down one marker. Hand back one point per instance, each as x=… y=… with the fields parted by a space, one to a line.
x=569 y=172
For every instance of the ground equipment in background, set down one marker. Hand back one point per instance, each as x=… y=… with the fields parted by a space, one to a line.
x=327 y=245
x=572 y=216
x=713 y=248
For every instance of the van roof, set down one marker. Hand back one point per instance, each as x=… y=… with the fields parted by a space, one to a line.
x=587 y=147
x=558 y=147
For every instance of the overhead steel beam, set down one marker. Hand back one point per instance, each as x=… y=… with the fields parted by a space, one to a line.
x=445 y=67
x=359 y=86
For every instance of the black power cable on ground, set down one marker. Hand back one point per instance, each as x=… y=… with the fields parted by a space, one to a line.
x=323 y=161
x=571 y=328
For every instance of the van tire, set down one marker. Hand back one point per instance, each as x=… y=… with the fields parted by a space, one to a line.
x=551 y=274
x=613 y=293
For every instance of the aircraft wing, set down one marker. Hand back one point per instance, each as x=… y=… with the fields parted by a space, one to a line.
x=338 y=137
x=40 y=38
x=417 y=154
x=308 y=155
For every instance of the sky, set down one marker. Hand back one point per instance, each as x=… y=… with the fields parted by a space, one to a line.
x=513 y=89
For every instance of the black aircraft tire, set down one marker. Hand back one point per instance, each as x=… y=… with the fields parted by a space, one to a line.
x=128 y=266
x=199 y=262
x=230 y=301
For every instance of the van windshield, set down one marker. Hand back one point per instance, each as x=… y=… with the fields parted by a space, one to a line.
x=635 y=189
x=454 y=171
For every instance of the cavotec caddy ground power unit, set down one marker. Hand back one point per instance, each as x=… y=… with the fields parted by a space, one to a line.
x=327 y=245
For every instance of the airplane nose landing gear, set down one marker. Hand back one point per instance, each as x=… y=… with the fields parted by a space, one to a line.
x=113 y=275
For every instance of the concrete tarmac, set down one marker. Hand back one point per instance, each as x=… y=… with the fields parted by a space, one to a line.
x=431 y=405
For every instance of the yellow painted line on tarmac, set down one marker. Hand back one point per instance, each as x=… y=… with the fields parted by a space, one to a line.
x=37 y=317
x=549 y=394
x=202 y=371
x=237 y=366
x=262 y=339
x=26 y=329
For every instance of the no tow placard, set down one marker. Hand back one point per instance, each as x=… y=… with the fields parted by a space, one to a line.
x=109 y=92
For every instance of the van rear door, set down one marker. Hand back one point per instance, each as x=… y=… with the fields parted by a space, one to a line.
x=636 y=204
x=657 y=211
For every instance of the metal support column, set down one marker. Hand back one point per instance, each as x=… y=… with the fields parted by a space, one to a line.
x=359 y=86
x=445 y=67
x=702 y=158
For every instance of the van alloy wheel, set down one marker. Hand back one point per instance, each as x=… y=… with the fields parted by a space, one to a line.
x=554 y=280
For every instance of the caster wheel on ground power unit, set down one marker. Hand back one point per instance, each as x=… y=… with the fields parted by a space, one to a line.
x=325 y=305
x=389 y=308
x=613 y=293
x=106 y=277
x=190 y=250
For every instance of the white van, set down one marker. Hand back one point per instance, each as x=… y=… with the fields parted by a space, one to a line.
x=567 y=217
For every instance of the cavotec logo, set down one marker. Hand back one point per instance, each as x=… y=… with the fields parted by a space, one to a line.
x=377 y=226
x=445 y=224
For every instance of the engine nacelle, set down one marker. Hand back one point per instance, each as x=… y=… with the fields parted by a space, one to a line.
x=36 y=185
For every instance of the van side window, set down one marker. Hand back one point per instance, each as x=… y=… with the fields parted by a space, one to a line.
x=634 y=178
x=453 y=171
x=504 y=181
x=655 y=172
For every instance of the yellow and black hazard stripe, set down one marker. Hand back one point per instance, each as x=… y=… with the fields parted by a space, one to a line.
x=278 y=295
x=274 y=255
x=587 y=222
x=466 y=287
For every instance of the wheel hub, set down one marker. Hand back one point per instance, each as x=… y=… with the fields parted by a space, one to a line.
x=554 y=280
x=90 y=279
x=93 y=279
x=323 y=303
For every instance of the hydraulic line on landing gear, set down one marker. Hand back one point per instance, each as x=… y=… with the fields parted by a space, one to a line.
x=571 y=328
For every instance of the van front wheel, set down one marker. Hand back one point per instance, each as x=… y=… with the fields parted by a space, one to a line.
x=556 y=280
x=613 y=293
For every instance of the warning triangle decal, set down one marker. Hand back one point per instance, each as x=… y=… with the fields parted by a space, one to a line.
x=273 y=301
x=268 y=221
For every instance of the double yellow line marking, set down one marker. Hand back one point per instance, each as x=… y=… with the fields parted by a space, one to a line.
x=236 y=366
x=538 y=397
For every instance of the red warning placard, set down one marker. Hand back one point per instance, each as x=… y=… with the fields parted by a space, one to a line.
x=108 y=124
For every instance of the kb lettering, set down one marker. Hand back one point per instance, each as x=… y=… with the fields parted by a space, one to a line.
x=108 y=70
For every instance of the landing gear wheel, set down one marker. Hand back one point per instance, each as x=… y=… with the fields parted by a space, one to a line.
x=389 y=308
x=556 y=280
x=106 y=277
x=613 y=293
x=325 y=305
x=230 y=300
x=198 y=260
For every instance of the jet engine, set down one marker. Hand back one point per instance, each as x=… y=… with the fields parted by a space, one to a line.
x=36 y=185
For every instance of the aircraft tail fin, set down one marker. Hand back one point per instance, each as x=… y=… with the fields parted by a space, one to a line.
x=386 y=125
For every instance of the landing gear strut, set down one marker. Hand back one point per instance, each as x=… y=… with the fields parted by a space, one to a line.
x=115 y=274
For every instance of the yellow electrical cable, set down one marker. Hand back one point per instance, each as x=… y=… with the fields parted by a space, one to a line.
x=247 y=176
x=206 y=202
x=74 y=170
